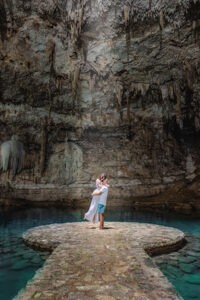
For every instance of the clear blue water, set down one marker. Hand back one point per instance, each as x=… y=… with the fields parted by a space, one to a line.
x=19 y=263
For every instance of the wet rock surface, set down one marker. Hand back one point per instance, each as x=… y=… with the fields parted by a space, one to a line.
x=92 y=86
x=88 y=263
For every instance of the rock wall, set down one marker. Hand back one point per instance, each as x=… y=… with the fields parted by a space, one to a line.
x=102 y=86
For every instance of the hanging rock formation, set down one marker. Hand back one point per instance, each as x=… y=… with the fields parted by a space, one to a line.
x=103 y=85
x=12 y=155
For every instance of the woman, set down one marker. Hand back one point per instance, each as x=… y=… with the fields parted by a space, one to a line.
x=92 y=214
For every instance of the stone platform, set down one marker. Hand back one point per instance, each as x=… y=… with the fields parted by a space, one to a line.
x=91 y=264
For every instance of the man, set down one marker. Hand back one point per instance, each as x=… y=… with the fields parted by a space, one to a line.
x=103 y=192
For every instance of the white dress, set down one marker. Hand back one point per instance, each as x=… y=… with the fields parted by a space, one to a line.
x=92 y=214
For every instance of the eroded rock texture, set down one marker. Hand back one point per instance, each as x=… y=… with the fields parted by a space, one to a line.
x=102 y=85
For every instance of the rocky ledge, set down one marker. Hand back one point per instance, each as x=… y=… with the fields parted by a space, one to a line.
x=88 y=263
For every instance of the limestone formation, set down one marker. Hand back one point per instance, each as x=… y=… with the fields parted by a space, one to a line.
x=12 y=155
x=102 y=86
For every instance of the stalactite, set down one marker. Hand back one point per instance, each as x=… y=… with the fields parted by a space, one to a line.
x=118 y=93
x=161 y=20
x=30 y=163
x=197 y=123
x=75 y=81
x=144 y=87
x=161 y=26
x=50 y=101
x=92 y=82
x=115 y=6
x=128 y=41
x=72 y=14
x=52 y=75
x=140 y=87
x=188 y=73
x=75 y=75
x=5 y=156
x=90 y=4
x=171 y=91
x=44 y=136
x=12 y=155
x=85 y=50
x=8 y=17
x=150 y=4
x=177 y=94
x=164 y=91
x=194 y=29
x=128 y=107
x=59 y=82
x=75 y=20
x=126 y=12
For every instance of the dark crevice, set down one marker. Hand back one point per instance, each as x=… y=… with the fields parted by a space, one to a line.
x=3 y=21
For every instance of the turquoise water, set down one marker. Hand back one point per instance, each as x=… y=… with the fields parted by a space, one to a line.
x=19 y=263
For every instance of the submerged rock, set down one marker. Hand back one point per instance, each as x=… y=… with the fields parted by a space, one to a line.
x=194 y=279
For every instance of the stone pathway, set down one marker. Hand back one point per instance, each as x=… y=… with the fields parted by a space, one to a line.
x=92 y=264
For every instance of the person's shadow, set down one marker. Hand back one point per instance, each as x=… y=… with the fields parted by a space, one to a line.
x=105 y=228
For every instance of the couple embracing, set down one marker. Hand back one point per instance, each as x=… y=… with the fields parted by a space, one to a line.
x=99 y=200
